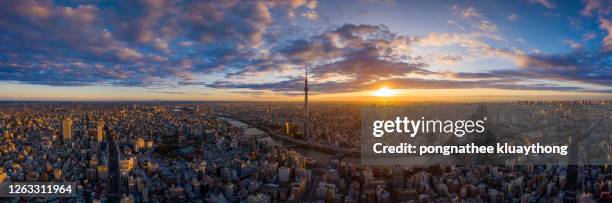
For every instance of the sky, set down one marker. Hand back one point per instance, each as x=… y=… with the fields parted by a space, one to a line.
x=258 y=50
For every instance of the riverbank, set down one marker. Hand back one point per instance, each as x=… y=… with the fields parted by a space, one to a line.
x=263 y=136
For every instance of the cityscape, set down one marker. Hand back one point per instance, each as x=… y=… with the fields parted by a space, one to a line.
x=252 y=152
x=271 y=101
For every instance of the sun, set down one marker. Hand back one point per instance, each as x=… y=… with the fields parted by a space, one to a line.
x=384 y=92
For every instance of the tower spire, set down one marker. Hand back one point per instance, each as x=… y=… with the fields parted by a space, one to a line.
x=306 y=117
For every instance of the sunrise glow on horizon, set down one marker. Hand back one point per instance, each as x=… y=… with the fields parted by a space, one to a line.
x=384 y=92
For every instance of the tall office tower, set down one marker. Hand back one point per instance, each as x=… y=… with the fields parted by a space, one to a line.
x=140 y=144
x=114 y=174
x=306 y=117
x=68 y=129
x=100 y=135
x=287 y=128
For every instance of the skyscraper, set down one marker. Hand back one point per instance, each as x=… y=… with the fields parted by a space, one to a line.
x=306 y=117
x=114 y=192
x=100 y=134
x=67 y=129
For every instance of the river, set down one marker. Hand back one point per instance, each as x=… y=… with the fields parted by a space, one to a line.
x=262 y=136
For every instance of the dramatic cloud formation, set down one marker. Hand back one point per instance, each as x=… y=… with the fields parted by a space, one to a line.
x=367 y=56
x=128 y=43
x=580 y=67
x=262 y=46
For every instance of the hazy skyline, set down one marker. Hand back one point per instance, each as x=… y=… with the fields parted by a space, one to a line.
x=256 y=50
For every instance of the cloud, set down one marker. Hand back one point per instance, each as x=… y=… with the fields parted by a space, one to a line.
x=347 y=40
x=158 y=44
x=179 y=92
x=127 y=53
x=130 y=42
x=48 y=44
x=292 y=5
x=607 y=41
x=243 y=23
x=579 y=66
x=470 y=42
x=312 y=5
x=487 y=26
x=601 y=7
x=546 y=3
x=137 y=21
x=477 y=19
x=349 y=50
x=311 y=15
x=293 y=86
x=573 y=44
x=512 y=17
x=361 y=69
x=588 y=36
x=361 y=57
x=384 y=2
x=447 y=59
x=469 y=12
x=444 y=39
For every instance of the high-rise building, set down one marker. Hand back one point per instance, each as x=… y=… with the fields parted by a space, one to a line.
x=140 y=144
x=126 y=165
x=57 y=173
x=67 y=129
x=114 y=191
x=100 y=134
x=3 y=176
x=306 y=117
